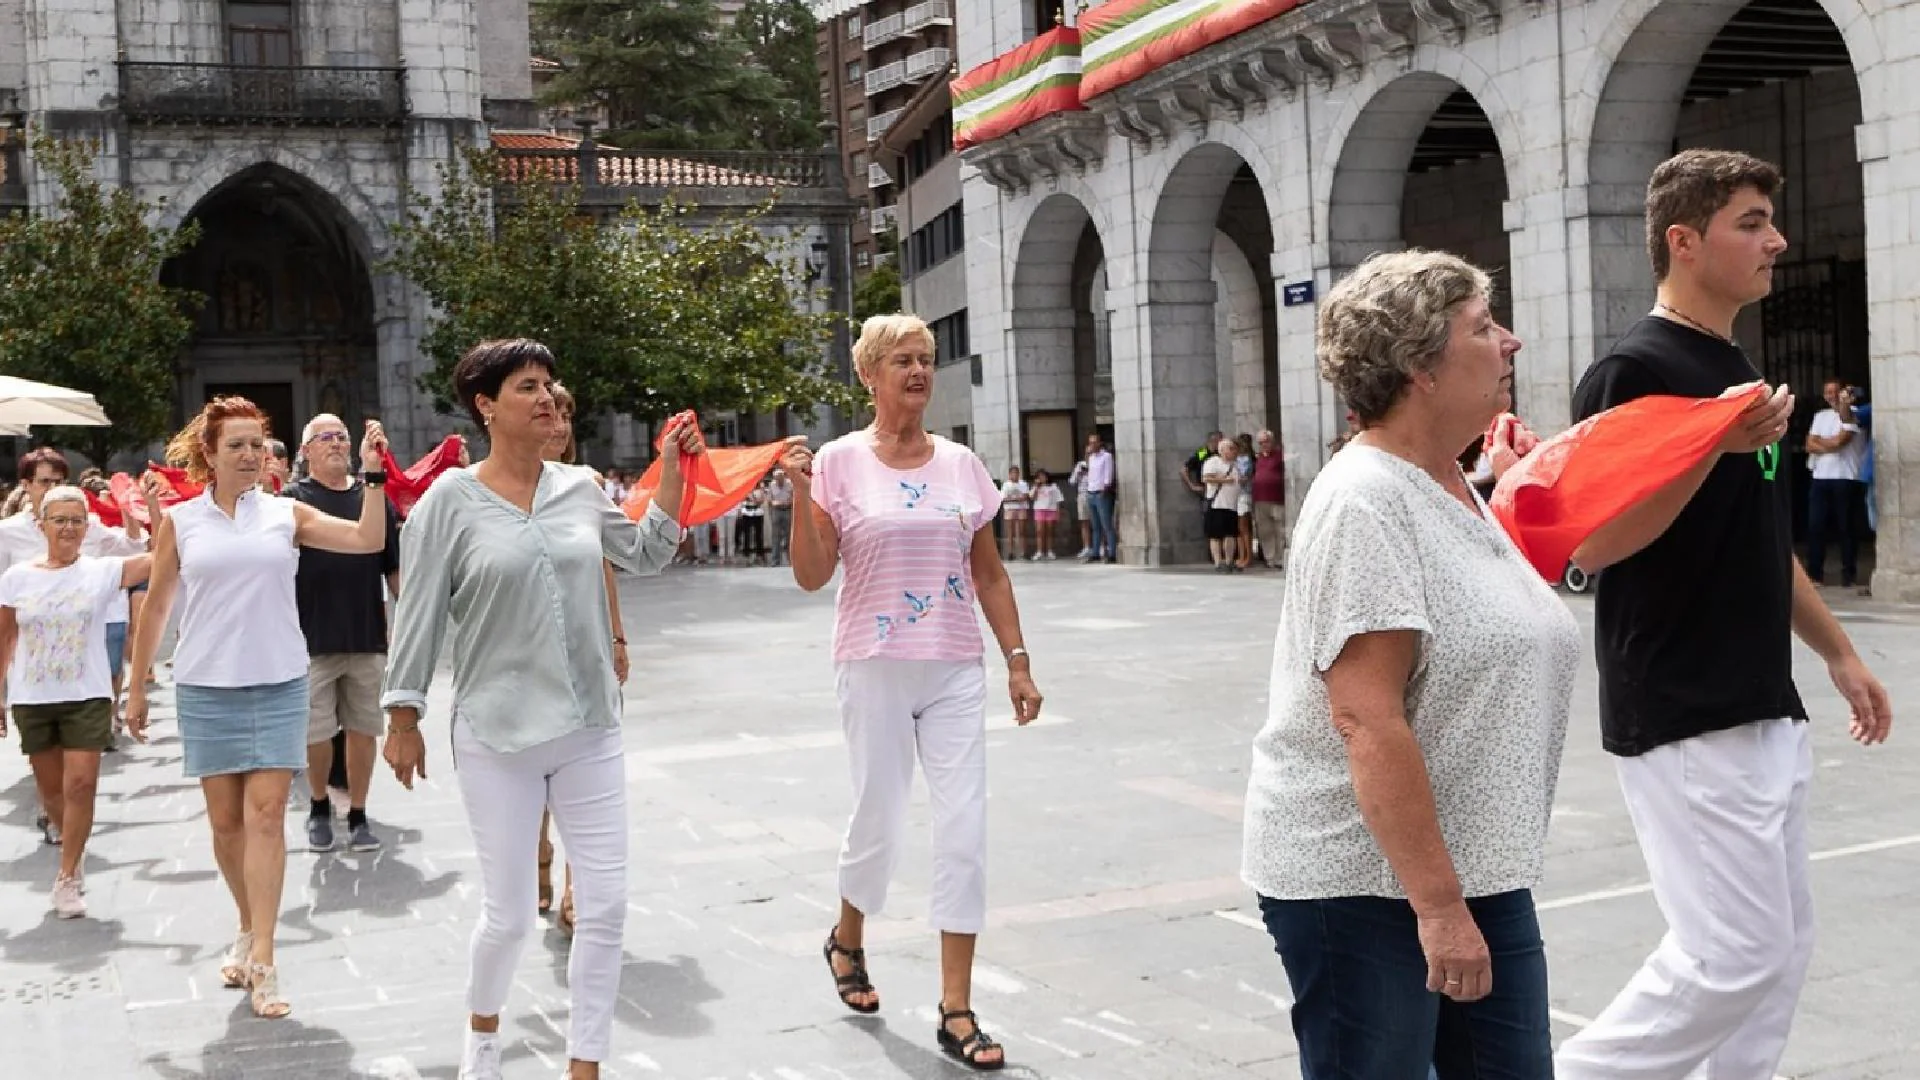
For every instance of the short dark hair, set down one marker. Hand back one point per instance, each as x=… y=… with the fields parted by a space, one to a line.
x=31 y=461
x=486 y=366
x=1692 y=186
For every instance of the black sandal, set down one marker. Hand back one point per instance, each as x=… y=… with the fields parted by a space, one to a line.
x=853 y=982
x=968 y=1050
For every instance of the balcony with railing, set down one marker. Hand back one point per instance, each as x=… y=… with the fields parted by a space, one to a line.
x=881 y=31
x=886 y=76
x=927 y=63
x=926 y=13
x=240 y=94
x=877 y=175
x=884 y=218
x=604 y=166
x=878 y=125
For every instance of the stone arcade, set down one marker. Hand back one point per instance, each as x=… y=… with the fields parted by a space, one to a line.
x=1177 y=225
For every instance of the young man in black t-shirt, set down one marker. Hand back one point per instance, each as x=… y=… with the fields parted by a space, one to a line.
x=343 y=615
x=1694 y=622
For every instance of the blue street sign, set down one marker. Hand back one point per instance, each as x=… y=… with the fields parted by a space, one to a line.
x=1297 y=293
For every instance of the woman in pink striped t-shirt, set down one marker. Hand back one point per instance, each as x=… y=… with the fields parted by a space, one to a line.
x=902 y=512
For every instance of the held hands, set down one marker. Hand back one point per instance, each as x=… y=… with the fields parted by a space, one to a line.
x=406 y=749
x=1025 y=695
x=1507 y=442
x=797 y=461
x=681 y=436
x=1872 y=710
x=1458 y=963
x=373 y=446
x=1763 y=424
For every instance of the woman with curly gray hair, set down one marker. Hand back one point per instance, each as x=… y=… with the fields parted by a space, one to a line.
x=1398 y=801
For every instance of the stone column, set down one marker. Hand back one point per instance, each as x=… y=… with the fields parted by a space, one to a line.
x=1165 y=402
x=72 y=79
x=1546 y=370
x=995 y=430
x=1891 y=181
x=1043 y=351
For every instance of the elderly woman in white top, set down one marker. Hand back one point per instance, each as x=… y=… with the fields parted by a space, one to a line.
x=1398 y=803
x=510 y=554
x=54 y=672
x=240 y=664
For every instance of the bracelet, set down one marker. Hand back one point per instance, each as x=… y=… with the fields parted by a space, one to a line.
x=620 y=641
x=374 y=477
x=1017 y=652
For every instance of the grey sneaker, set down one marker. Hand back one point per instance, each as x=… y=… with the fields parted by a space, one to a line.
x=319 y=834
x=363 y=838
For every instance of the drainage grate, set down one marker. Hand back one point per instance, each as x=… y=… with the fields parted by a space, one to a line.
x=65 y=988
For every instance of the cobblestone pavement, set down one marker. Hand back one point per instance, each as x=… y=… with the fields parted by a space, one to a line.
x=1121 y=945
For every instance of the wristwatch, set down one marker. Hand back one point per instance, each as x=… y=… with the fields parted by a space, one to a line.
x=374 y=477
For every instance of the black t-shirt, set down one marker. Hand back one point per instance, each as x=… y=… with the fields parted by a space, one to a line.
x=341 y=606
x=1695 y=632
x=1196 y=468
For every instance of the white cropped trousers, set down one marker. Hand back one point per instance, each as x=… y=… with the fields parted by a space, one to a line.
x=1722 y=821
x=891 y=712
x=582 y=777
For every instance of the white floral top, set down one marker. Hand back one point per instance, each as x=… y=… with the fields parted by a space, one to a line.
x=1381 y=546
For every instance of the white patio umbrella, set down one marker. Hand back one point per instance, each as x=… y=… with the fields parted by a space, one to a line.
x=25 y=403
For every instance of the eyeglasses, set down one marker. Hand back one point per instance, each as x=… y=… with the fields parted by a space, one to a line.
x=67 y=522
x=330 y=436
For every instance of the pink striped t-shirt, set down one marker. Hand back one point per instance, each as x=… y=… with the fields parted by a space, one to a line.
x=906 y=581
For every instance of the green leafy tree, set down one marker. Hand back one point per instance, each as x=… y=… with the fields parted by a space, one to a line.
x=668 y=72
x=781 y=36
x=82 y=306
x=648 y=314
x=878 y=293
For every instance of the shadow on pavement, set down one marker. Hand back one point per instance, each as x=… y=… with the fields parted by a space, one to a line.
x=251 y=1048
x=922 y=1060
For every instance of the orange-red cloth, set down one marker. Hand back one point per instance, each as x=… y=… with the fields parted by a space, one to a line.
x=1607 y=464
x=405 y=486
x=714 y=482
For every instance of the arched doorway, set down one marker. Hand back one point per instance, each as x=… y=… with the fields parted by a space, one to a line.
x=1062 y=355
x=288 y=319
x=1212 y=360
x=1772 y=78
x=1422 y=168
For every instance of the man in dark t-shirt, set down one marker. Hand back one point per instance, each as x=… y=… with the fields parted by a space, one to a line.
x=1694 y=624
x=344 y=617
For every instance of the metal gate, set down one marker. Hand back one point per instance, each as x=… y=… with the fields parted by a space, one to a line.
x=1813 y=328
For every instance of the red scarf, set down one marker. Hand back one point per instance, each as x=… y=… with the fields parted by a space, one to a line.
x=713 y=483
x=1600 y=468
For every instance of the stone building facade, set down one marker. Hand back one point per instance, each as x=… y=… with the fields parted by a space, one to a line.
x=1176 y=227
x=289 y=129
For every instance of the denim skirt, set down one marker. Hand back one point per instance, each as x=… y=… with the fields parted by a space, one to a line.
x=238 y=729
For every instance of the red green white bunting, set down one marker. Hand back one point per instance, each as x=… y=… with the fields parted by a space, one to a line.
x=1008 y=92
x=1123 y=40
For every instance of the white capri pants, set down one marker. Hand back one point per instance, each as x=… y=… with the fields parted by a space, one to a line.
x=891 y=709
x=1722 y=821
x=581 y=776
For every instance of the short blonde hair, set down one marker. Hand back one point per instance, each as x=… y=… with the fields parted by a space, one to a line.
x=64 y=493
x=882 y=334
x=1389 y=320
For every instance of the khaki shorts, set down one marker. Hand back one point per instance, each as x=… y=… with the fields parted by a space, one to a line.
x=65 y=725
x=344 y=695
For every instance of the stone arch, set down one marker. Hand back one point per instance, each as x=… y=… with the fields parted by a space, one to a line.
x=1239 y=326
x=1641 y=65
x=327 y=186
x=1372 y=146
x=1043 y=263
x=1212 y=193
x=1388 y=108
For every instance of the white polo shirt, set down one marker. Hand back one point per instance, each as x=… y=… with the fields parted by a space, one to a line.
x=1844 y=463
x=239 y=620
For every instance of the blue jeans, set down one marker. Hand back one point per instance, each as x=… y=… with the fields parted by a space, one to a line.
x=1830 y=511
x=1362 y=1008
x=1105 y=543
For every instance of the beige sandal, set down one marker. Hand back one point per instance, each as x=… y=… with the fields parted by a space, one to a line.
x=233 y=972
x=263 y=984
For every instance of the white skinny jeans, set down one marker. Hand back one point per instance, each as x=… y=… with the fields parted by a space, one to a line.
x=889 y=709
x=1722 y=821
x=581 y=777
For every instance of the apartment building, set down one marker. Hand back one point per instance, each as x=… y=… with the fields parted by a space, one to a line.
x=885 y=67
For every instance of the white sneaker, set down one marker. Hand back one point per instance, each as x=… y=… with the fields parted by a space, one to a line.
x=66 y=898
x=481 y=1060
x=1051 y=556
